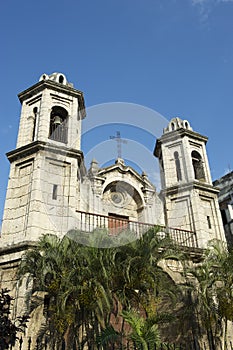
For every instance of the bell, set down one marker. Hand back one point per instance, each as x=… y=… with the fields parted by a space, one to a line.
x=57 y=120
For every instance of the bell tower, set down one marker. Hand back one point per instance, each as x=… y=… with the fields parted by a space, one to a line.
x=47 y=164
x=190 y=200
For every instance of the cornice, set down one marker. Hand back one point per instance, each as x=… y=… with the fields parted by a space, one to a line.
x=16 y=247
x=179 y=188
x=36 y=146
x=176 y=135
x=52 y=85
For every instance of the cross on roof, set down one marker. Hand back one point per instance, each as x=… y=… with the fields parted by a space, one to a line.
x=119 y=141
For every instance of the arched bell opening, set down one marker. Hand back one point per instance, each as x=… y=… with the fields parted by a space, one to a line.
x=198 y=168
x=58 y=130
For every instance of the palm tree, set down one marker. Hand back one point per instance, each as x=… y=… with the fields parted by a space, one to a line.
x=212 y=292
x=74 y=279
x=138 y=272
x=139 y=282
x=221 y=261
x=88 y=279
x=144 y=331
x=50 y=265
x=202 y=299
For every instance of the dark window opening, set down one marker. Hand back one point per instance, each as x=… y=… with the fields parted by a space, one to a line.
x=54 y=195
x=61 y=79
x=35 y=110
x=173 y=126
x=209 y=222
x=178 y=168
x=58 y=130
x=198 y=166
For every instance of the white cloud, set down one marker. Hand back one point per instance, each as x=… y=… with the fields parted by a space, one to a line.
x=210 y=2
x=205 y=7
x=195 y=2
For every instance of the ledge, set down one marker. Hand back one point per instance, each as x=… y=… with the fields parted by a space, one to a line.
x=36 y=146
x=52 y=85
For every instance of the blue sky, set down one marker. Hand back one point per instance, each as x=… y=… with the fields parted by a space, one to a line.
x=172 y=56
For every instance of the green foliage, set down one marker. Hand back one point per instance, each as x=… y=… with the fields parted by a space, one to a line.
x=101 y=291
x=109 y=336
x=90 y=278
x=211 y=289
x=9 y=328
x=144 y=331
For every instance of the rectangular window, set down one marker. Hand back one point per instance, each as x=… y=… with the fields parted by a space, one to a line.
x=209 y=222
x=54 y=196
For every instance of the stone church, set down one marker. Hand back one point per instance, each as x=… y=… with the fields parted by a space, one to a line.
x=50 y=190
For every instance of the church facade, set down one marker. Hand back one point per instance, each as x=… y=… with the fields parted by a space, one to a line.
x=50 y=190
x=49 y=185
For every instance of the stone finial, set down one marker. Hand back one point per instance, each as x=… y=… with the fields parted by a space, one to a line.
x=94 y=167
x=120 y=161
x=177 y=123
x=144 y=175
x=57 y=77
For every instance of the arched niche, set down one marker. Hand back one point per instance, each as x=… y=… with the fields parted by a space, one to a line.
x=58 y=129
x=198 y=168
x=178 y=167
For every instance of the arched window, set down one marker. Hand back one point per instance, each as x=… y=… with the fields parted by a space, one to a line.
x=61 y=79
x=178 y=168
x=58 y=130
x=198 y=169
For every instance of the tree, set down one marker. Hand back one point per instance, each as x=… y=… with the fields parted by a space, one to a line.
x=74 y=280
x=212 y=292
x=144 y=331
x=88 y=279
x=221 y=262
x=9 y=328
x=140 y=284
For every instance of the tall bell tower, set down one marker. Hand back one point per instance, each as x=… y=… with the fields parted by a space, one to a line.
x=47 y=164
x=190 y=200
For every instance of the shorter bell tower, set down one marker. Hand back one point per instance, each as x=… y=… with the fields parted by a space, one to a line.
x=190 y=200
x=47 y=164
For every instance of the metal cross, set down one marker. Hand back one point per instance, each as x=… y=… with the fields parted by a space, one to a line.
x=119 y=141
